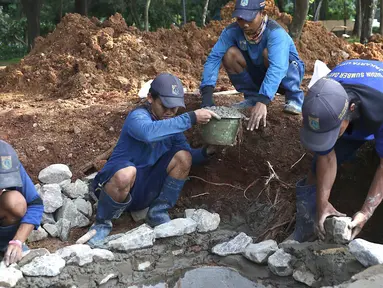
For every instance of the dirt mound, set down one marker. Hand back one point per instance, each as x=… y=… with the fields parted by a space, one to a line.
x=377 y=38
x=371 y=51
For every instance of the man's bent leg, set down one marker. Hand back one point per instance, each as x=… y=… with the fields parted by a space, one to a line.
x=12 y=209
x=293 y=93
x=113 y=200
x=236 y=66
x=178 y=170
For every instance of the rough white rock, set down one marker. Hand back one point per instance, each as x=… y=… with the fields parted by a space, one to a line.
x=337 y=230
x=260 y=252
x=143 y=266
x=38 y=188
x=176 y=227
x=303 y=275
x=81 y=254
x=206 y=221
x=189 y=213
x=63 y=227
x=76 y=190
x=50 y=265
x=234 y=246
x=37 y=235
x=69 y=212
x=51 y=195
x=48 y=219
x=32 y=254
x=139 y=215
x=140 y=237
x=287 y=243
x=83 y=206
x=9 y=276
x=55 y=174
x=367 y=253
x=51 y=229
x=279 y=263
x=107 y=278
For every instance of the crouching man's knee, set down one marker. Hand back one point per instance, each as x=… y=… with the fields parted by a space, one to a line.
x=179 y=166
x=13 y=207
x=118 y=187
x=233 y=61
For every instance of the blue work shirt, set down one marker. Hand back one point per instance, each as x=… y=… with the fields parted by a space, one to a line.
x=363 y=80
x=35 y=208
x=144 y=140
x=280 y=47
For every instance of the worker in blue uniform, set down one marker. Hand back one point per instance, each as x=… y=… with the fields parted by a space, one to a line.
x=21 y=207
x=340 y=113
x=260 y=59
x=151 y=160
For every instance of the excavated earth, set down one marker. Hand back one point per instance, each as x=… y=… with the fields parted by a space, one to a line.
x=66 y=102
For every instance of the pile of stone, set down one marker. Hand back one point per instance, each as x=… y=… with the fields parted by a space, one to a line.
x=305 y=262
x=40 y=263
x=66 y=204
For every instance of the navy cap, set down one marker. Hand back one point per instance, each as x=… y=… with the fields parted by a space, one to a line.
x=170 y=89
x=323 y=111
x=248 y=9
x=9 y=167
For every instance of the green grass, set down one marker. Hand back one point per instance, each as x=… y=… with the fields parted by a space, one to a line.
x=9 y=61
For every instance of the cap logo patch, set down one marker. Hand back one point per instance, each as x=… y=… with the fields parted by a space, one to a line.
x=6 y=162
x=175 y=90
x=314 y=123
x=244 y=3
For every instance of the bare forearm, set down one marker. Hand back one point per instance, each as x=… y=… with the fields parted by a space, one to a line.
x=326 y=168
x=375 y=194
x=23 y=232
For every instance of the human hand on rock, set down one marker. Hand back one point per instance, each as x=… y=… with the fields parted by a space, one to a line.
x=357 y=224
x=324 y=210
x=13 y=254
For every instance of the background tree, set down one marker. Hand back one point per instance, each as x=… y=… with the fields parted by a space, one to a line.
x=81 y=7
x=358 y=19
x=381 y=18
x=147 y=6
x=204 y=14
x=301 y=8
x=32 y=9
x=369 y=8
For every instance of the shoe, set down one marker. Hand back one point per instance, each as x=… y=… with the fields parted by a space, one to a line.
x=292 y=108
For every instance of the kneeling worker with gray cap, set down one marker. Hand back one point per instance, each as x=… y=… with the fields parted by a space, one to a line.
x=340 y=113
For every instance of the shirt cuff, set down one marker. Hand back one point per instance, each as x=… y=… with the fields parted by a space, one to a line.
x=193 y=117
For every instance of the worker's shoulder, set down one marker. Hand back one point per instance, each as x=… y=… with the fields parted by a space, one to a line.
x=233 y=27
x=139 y=112
x=273 y=25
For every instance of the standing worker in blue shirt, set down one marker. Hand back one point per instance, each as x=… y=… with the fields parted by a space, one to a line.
x=340 y=113
x=259 y=57
x=21 y=208
x=152 y=159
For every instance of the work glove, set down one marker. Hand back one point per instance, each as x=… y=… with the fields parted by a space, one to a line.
x=207 y=96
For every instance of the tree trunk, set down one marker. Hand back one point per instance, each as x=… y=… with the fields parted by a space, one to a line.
x=81 y=7
x=204 y=14
x=369 y=8
x=32 y=10
x=381 y=18
x=147 y=6
x=301 y=9
x=317 y=12
x=184 y=10
x=358 y=19
x=324 y=10
x=61 y=10
x=281 y=5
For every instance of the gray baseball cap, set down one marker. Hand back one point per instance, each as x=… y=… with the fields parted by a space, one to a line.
x=170 y=89
x=323 y=111
x=9 y=167
x=248 y=9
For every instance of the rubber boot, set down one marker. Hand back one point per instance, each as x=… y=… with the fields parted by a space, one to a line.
x=291 y=107
x=107 y=209
x=158 y=210
x=306 y=212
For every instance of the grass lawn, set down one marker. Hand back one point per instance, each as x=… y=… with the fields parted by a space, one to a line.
x=9 y=61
